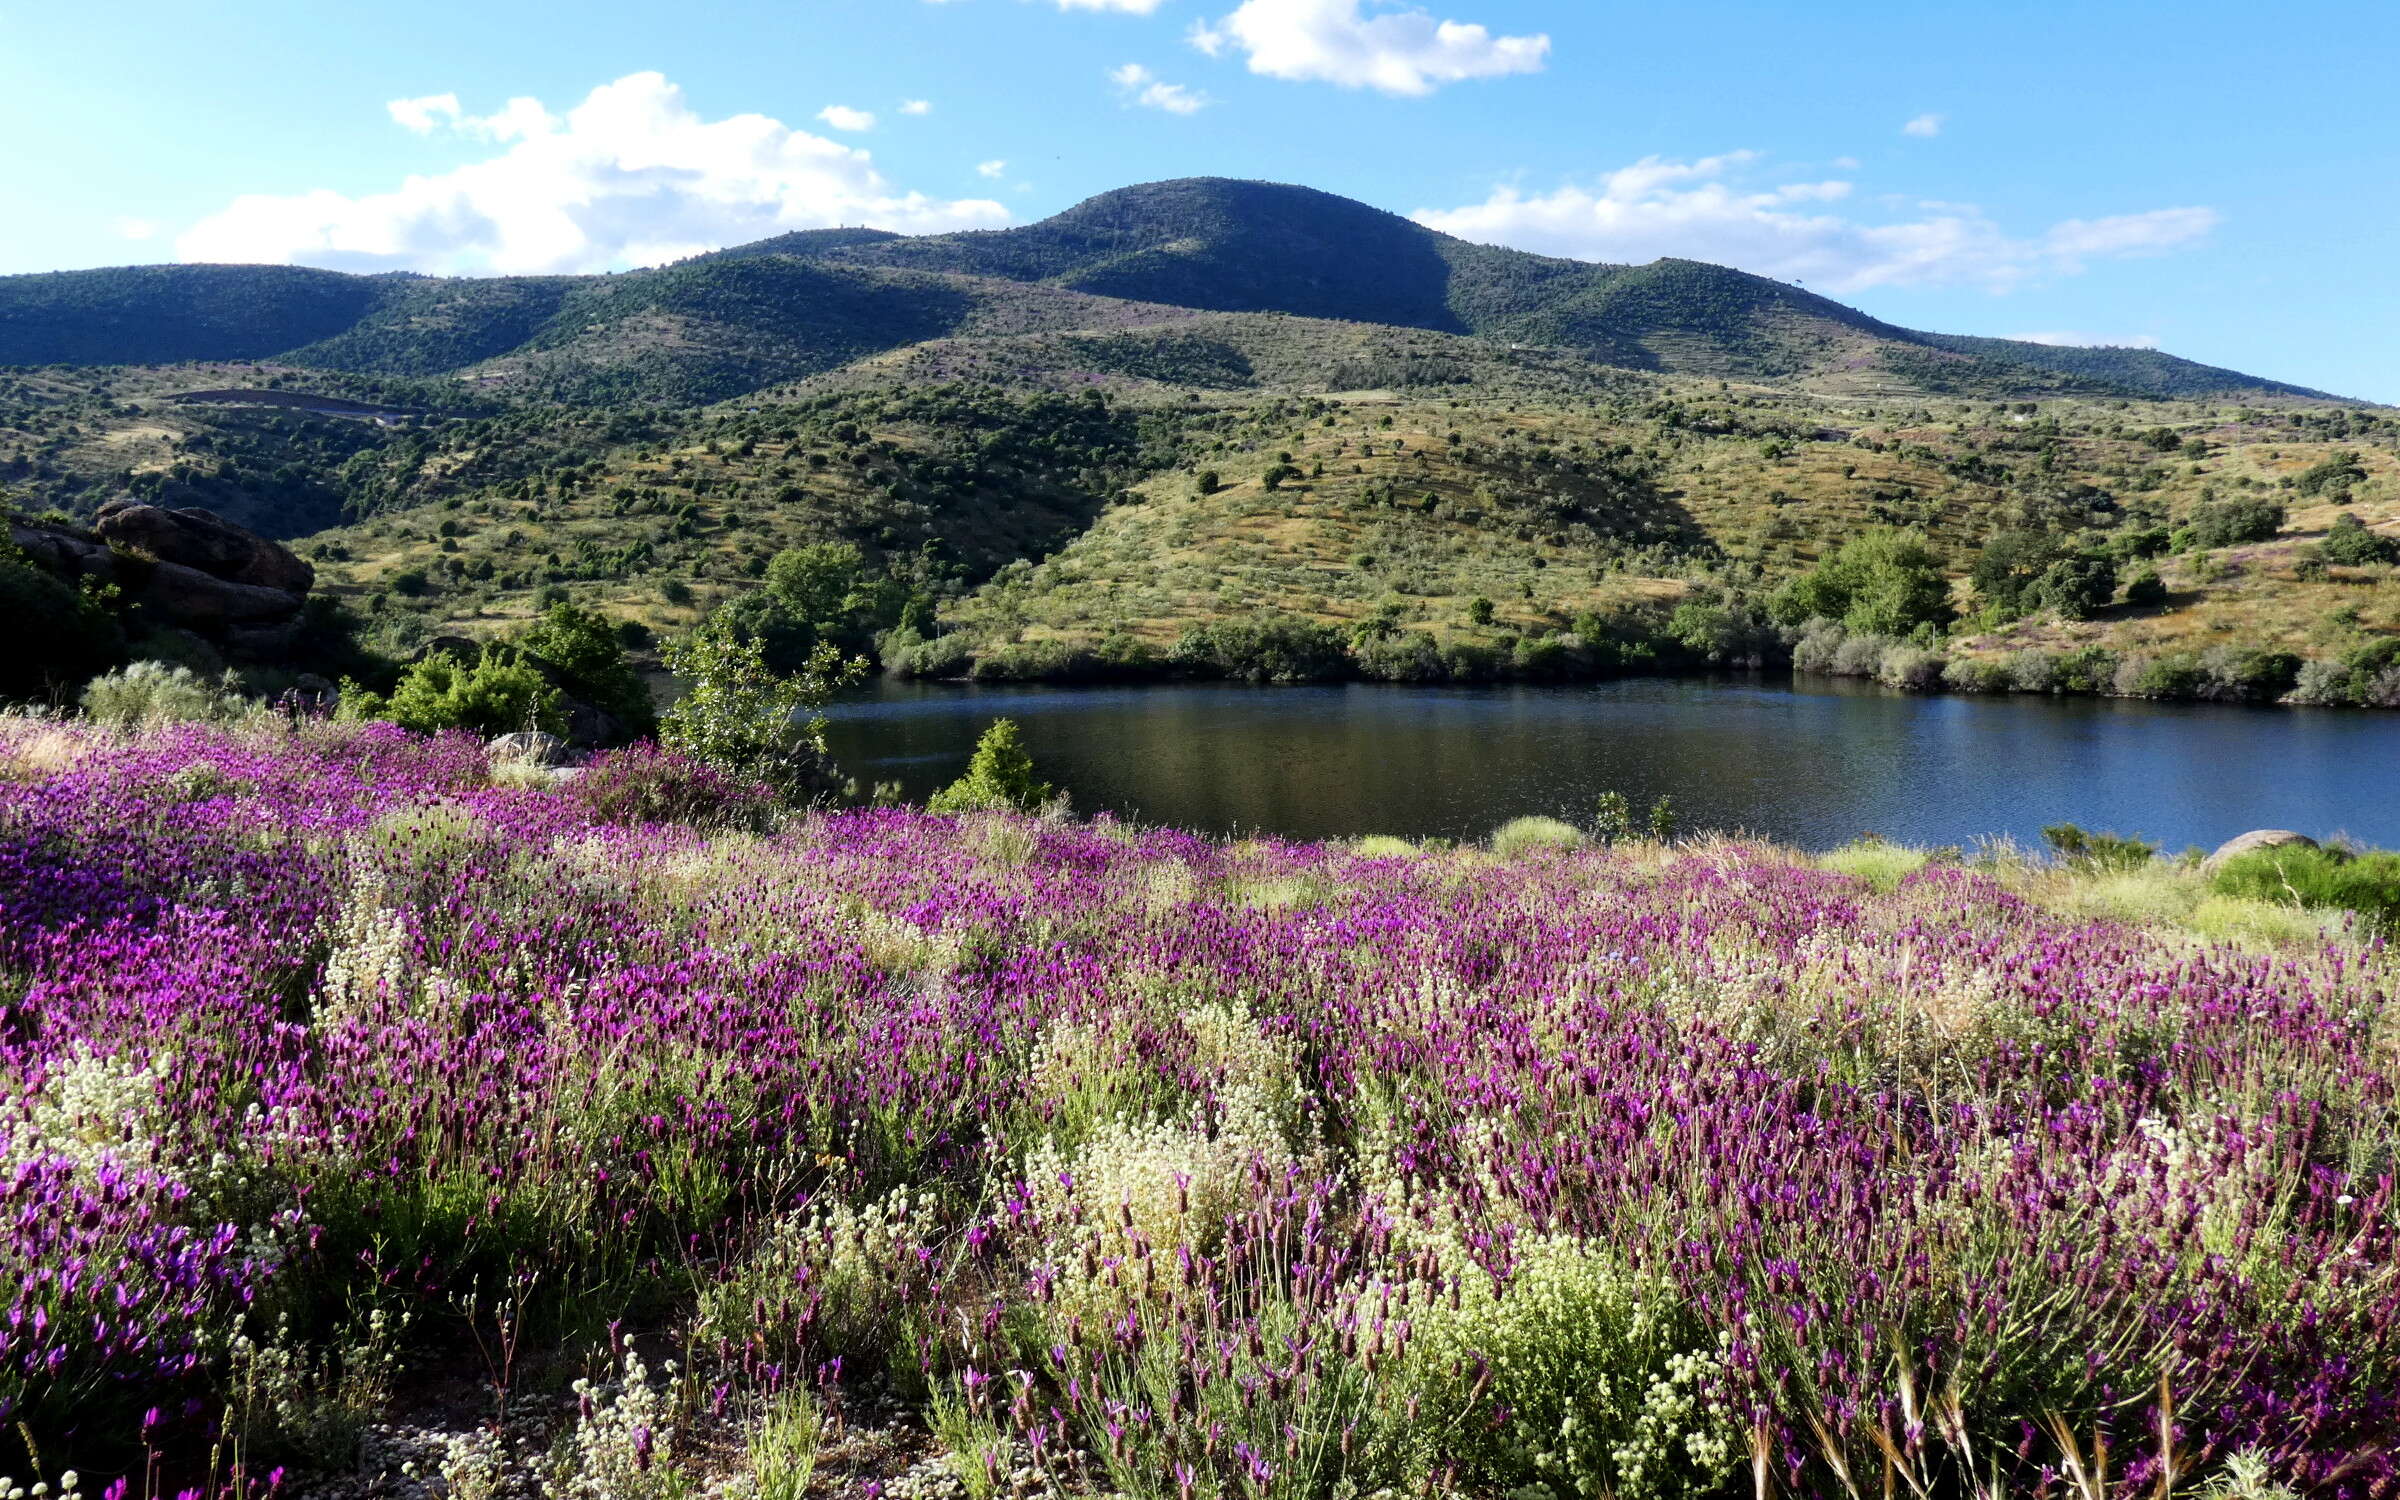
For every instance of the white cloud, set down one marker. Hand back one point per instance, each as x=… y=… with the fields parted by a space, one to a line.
x=1715 y=209
x=1924 y=126
x=631 y=176
x=993 y=168
x=1398 y=52
x=1129 y=7
x=916 y=106
x=135 y=229
x=843 y=117
x=427 y=114
x=2090 y=340
x=1138 y=85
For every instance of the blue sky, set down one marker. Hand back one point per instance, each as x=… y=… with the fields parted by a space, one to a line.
x=2220 y=179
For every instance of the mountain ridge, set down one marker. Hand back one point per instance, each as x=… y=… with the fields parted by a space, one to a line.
x=751 y=316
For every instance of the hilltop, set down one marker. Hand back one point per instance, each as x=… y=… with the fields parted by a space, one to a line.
x=743 y=319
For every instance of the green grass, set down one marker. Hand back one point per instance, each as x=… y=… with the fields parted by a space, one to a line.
x=2323 y=879
x=1519 y=837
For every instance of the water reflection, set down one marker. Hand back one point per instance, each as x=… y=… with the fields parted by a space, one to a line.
x=1812 y=761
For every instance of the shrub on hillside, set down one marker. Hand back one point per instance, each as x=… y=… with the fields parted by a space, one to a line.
x=1912 y=669
x=754 y=724
x=1265 y=648
x=2175 y=674
x=2145 y=589
x=587 y=652
x=2233 y=674
x=2074 y=588
x=2228 y=523
x=57 y=637
x=2367 y=676
x=1885 y=582
x=1978 y=674
x=2350 y=544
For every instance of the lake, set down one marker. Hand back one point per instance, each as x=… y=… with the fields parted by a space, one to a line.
x=1809 y=761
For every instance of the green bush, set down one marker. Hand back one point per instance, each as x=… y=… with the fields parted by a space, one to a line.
x=1883 y=582
x=586 y=651
x=57 y=637
x=149 y=694
x=1000 y=777
x=2082 y=849
x=2145 y=589
x=495 y=694
x=2234 y=674
x=2228 y=523
x=2350 y=544
x=1521 y=836
x=2297 y=875
x=750 y=722
x=1266 y=648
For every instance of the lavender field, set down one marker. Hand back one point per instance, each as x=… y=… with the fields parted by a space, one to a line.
x=375 y=1128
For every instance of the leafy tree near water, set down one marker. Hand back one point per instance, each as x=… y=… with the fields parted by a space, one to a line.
x=1001 y=776
x=1884 y=582
x=751 y=722
x=587 y=650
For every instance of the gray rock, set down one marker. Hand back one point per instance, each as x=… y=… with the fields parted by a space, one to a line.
x=199 y=539
x=528 y=747
x=2255 y=839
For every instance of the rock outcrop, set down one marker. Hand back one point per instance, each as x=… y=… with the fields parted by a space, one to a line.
x=2255 y=839
x=204 y=542
x=185 y=569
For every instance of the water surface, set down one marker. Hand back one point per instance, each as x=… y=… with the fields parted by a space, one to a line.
x=1814 y=762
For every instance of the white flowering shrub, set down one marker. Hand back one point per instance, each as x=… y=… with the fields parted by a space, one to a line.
x=474 y=1466
x=1593 y=1366
x=289 y=1402
x=623 y=1443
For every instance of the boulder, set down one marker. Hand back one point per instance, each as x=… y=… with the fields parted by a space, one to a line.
x=201 y=540
x=72 y=555
x=204 y=601
x=528 y=747
x=2255 y=839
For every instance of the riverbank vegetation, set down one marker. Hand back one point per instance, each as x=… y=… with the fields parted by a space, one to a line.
x=377 y=1108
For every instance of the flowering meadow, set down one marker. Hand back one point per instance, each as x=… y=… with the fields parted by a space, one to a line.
x=341 y=1075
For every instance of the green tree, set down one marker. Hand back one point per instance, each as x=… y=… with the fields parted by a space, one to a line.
x=2074 y=588
x=750 y=721
x=585 y=649
x=2009 y=565
x=1882 y=582
x=1479 y=610
x=2145 y=589
x=1000 y=777
x=2352 y=545
x=1612 y=819
x=494 y=694
x=817 y=581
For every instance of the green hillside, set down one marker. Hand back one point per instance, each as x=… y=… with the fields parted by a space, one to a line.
x=799 y=304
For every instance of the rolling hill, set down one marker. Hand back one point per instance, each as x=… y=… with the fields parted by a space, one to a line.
x=796 y=305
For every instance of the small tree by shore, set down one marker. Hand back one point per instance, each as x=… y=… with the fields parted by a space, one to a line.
x=1001 y=776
